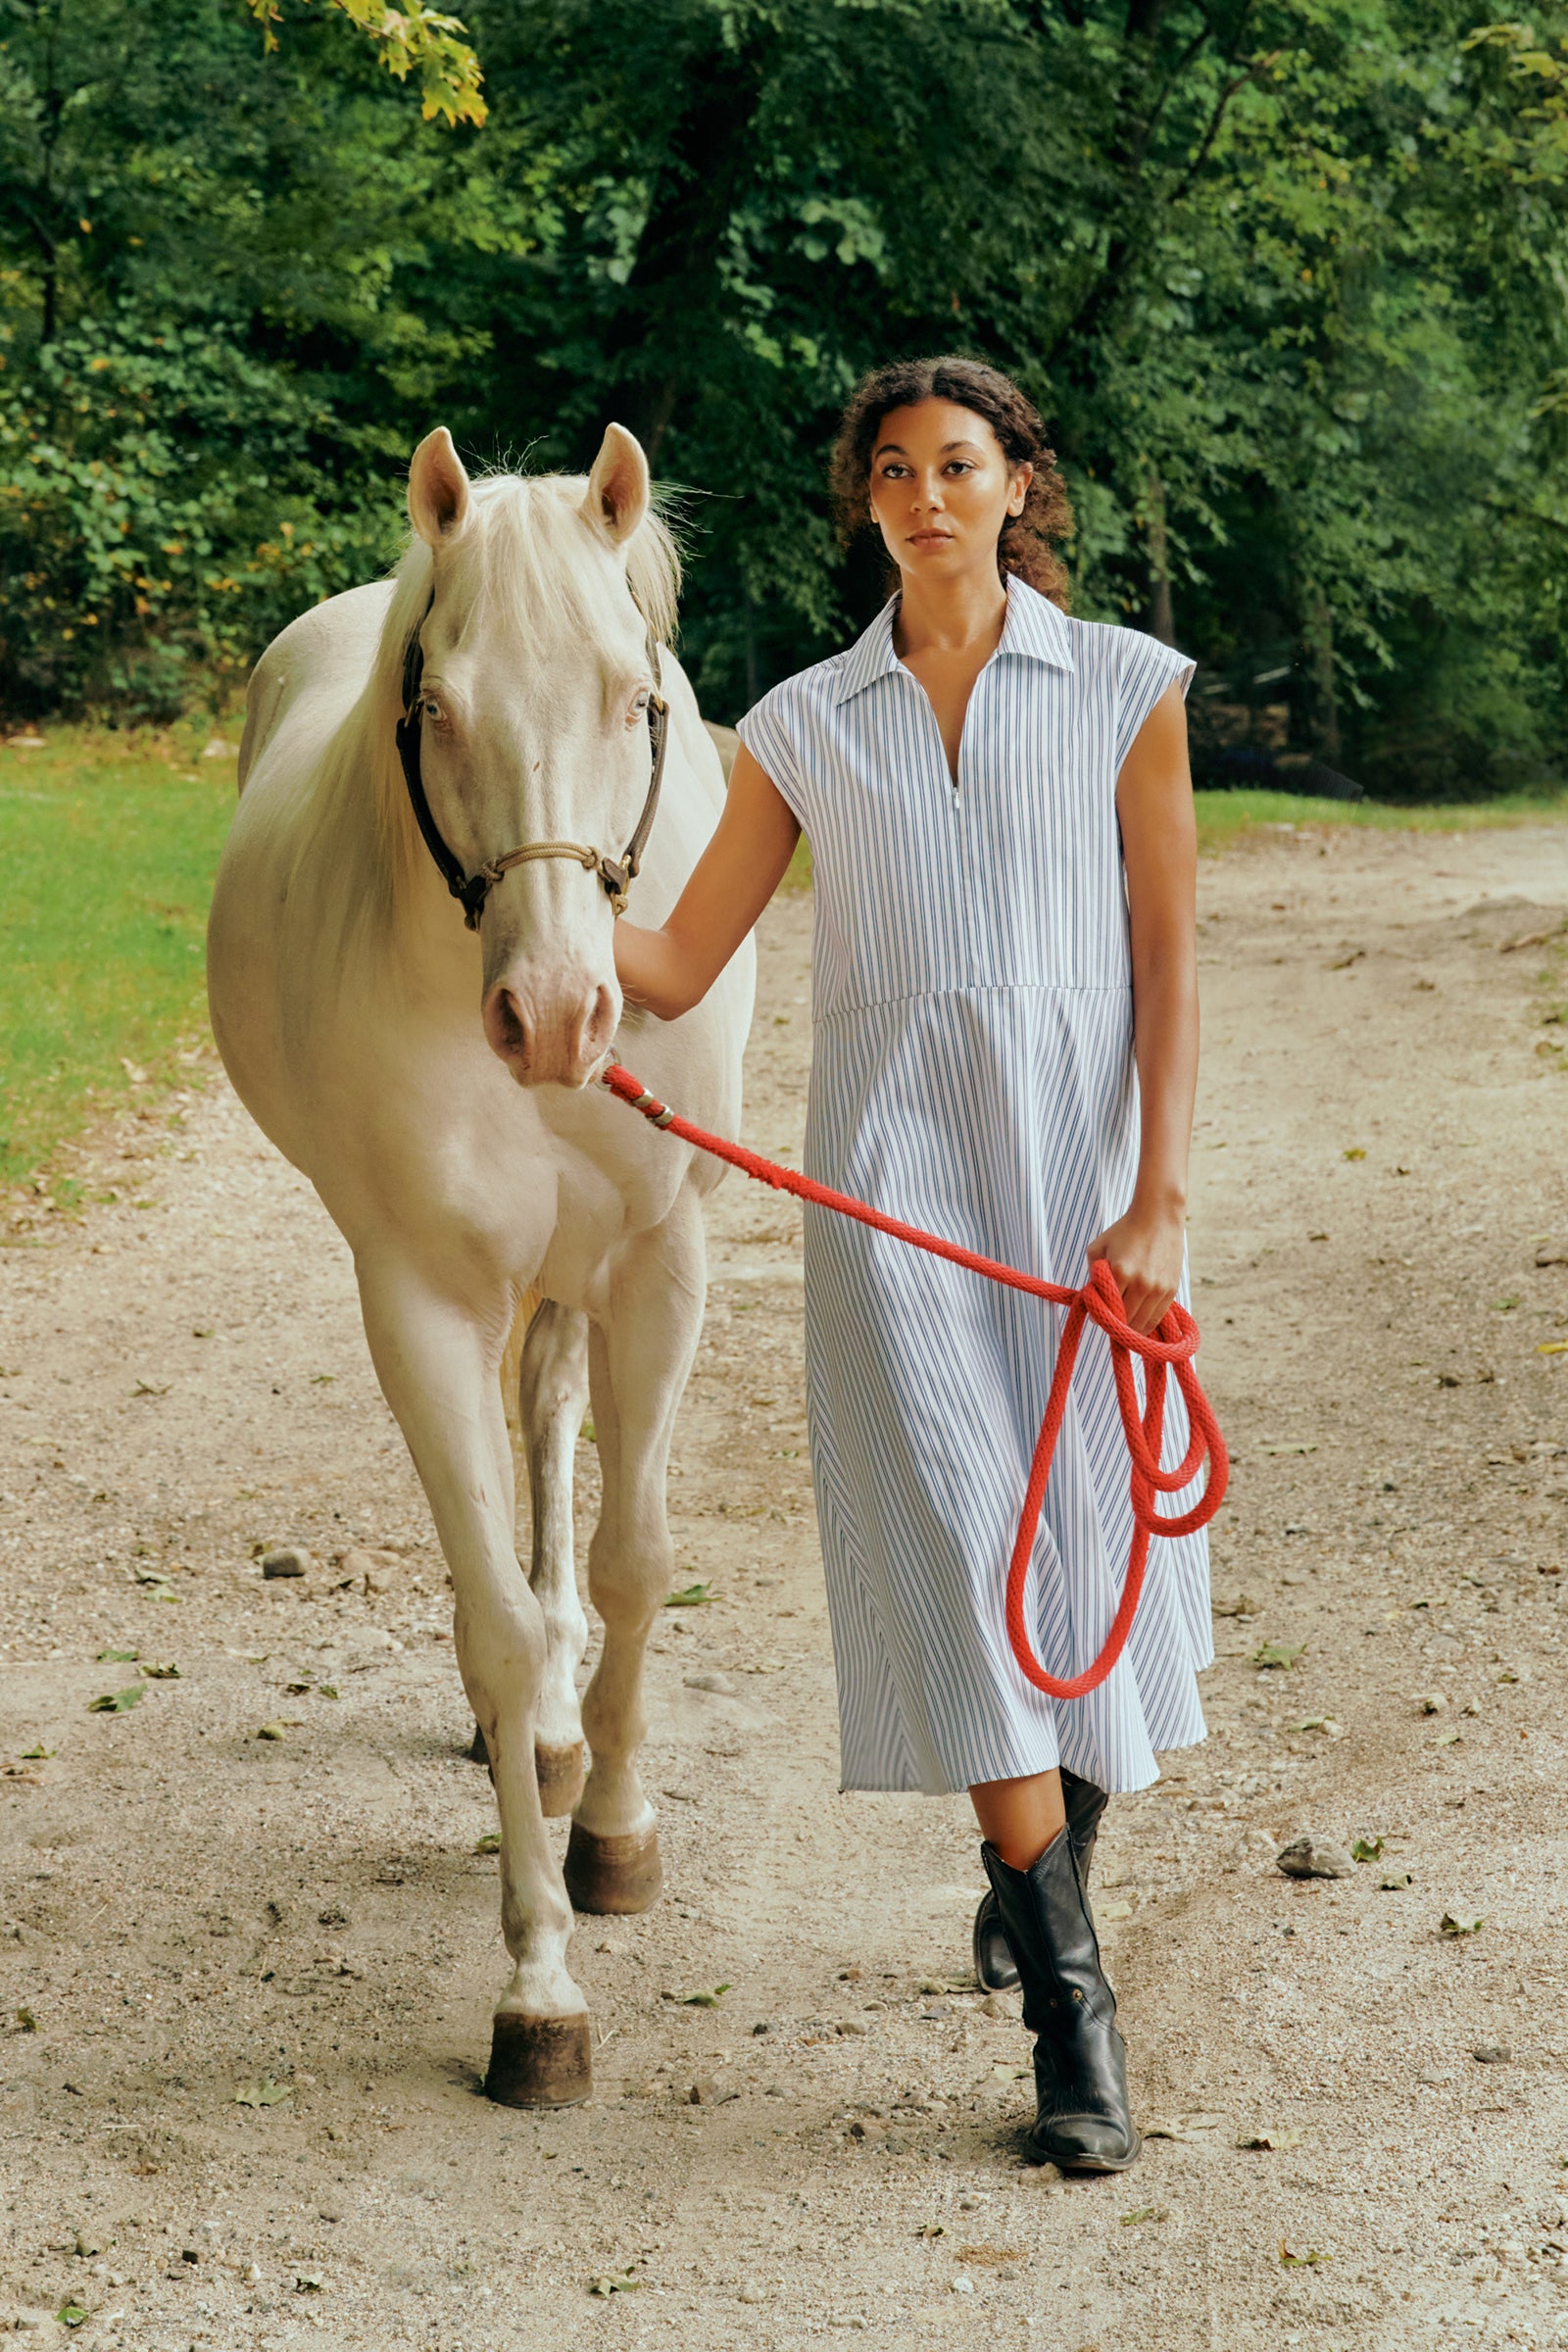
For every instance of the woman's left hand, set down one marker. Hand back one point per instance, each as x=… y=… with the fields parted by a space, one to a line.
x=1144 y=1251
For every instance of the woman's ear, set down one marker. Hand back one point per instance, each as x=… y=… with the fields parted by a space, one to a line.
x=1019 y=495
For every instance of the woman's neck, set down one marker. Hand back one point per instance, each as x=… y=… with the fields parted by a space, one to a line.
x=951 y=616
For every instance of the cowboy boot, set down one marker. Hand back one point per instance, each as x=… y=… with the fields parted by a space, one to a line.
x=992 y=1962
x=1082 y=2121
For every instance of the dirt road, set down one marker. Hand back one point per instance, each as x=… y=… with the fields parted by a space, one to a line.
x=191 y=1909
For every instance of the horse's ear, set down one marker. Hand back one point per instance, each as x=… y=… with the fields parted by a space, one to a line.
x=438 y=489
x=619 y=491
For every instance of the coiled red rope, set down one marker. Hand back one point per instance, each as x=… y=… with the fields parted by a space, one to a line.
x=1169 y=1350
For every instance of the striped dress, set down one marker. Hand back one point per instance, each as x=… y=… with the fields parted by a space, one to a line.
x=972 y=1071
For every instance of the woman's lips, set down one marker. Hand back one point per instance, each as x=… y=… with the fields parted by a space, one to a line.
x=930 y=538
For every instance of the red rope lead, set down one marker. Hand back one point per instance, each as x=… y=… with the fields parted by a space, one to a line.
x=1170 y=1349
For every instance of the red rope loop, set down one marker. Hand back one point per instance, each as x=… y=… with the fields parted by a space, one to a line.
x=1169 y=1350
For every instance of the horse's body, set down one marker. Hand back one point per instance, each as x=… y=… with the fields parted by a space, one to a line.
x=433 y=1085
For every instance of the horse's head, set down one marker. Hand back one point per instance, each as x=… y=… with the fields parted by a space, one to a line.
x=533 y=725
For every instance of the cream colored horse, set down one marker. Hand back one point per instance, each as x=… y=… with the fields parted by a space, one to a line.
x=435 y=1085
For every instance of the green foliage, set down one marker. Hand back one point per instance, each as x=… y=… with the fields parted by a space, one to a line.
x=1284 y=275
x=413 y=40
x=163 y=511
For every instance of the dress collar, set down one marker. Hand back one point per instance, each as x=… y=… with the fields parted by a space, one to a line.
x=1034 y=629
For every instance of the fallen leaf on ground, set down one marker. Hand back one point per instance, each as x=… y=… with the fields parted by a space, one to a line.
x=1310 y=2260
x=609 y=2283
x=117 y=1657
x=932 y=2230
x=145 y=1388
x=26 y=2022
x=698 y=2001
x=1194 y=2130
x=691 y=1596
x=1461 y=1922
x=115 y=1702
x=1492 y=2054
x=1366 y=1849
x=1355 y=1151
x=39 y=1756
x=1287 y=1446
x=71 y=2314
x=168 y=1673
x=264 y=2092
x=1318 y=1723
x=1144 y=2213
x=489 y=1843
x=279 y=1727
x=149 y=1576
x=1395 y=1881
x=1278 y=1653
x=1244 y=1605
x=1552 y=1347
x=1276 y=2138
x=1118 y=1909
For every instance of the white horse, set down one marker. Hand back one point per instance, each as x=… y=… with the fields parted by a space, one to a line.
x=433 y=1084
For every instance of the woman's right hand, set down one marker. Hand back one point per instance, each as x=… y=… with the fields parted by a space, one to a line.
x=669 y=970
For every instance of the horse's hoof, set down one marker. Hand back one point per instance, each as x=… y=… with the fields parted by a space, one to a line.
x=612 y=1874
x=478 y=1753
x=560 y=1773
x=539 y=2061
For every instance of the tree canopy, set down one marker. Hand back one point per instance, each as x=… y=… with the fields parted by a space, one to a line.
x=1285 y=277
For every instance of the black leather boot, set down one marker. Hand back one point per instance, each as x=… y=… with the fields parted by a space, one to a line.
x=1083 y=2123
x=992 y=1962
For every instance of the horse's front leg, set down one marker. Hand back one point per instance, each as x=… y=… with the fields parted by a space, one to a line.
x=437 y=1364
x=640 y=1355
x=553 y=1400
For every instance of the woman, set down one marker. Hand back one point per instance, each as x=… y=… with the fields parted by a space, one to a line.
x=1006 y=1044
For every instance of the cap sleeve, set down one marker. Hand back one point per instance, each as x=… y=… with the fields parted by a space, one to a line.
x=769 y=734
x=1148 y=668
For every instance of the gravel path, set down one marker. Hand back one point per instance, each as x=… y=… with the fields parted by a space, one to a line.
x=193 y=1909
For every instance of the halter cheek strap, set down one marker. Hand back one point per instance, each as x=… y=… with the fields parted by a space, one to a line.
x=470 y=891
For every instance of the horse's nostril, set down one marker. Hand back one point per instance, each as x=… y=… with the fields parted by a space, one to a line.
x=513 y=1035
x=601 y=1022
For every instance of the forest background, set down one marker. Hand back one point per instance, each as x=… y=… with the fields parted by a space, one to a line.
x=1288 y=279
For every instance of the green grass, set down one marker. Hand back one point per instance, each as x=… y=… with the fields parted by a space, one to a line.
x=107 y=847
x=1224 y=816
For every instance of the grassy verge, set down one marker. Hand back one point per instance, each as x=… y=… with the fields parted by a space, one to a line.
x=107 y=847
x=1224 y=816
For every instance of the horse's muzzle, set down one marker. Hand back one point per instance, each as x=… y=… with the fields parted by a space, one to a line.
x=550 y=1033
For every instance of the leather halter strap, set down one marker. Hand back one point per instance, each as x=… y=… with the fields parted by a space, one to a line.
x=616 y=876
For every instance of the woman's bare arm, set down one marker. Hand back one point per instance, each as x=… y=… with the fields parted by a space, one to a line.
x=668 y=971
x=1159 y=848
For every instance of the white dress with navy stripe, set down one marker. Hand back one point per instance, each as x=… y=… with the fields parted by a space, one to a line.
x=972 y=1072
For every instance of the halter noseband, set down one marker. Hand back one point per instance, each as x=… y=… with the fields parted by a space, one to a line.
x=471 y=890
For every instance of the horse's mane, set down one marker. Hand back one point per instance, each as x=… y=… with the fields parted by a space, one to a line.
x=523 y=553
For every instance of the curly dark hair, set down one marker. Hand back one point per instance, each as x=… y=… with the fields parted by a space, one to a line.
x=1026 y=547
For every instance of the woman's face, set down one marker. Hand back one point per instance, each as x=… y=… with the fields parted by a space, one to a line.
x=942 y=488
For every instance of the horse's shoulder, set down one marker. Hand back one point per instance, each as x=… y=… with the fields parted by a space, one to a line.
x=329 y=644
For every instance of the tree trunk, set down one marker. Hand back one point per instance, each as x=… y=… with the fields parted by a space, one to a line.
x=1319 y=634
x=1161 y=619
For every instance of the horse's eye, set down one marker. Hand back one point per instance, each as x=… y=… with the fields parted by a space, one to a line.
x=639 y=705
x=431 y=710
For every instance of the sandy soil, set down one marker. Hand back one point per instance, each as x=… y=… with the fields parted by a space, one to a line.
x=191 y=1910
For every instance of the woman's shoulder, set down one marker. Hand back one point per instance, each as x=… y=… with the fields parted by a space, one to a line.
x=1114 y=642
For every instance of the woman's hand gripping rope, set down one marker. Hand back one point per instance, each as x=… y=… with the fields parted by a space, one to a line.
x=1171 y=1348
